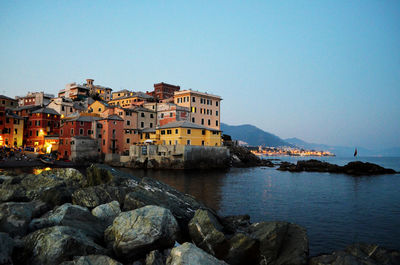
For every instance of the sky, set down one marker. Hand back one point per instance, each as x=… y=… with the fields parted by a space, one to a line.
x=323 y=71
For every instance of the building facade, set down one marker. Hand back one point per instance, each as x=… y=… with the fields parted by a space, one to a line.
x=163 y=91
x=35 y=99
x=205 y=108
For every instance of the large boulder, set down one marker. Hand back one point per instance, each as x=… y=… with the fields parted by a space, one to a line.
x=16 y=216
x=92 y=260
x=242 y=250
x=361 y=168
x=155 y=258
x=94 y=196
x=106 y=213
x=98 y=174
x=235 y=223
x=280 y=242
x=6 y=248
x=72 y=216
x=137 y=232
x=359 y=254
x=56 y=244
x=57 y=196
x=206 y=232
x=189 y=254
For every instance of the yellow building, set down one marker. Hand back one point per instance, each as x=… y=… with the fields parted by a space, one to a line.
x=98 y=107
x=132 y=100
x=183 y=133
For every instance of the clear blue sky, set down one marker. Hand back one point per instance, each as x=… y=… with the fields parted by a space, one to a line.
x=324 y=71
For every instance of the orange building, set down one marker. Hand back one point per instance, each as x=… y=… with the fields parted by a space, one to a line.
x=112 y=134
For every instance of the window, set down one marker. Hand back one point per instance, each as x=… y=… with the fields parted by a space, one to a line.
x=209 y=122
x=162 y=132
x=128 y=123
x=193 y=120
x=188 y=142
x=142 y=114
x=151 y=115
x=70 y=109
x=99 y=109
x=151 y=125
x=202 y=121
x=62 y=132
x=203 y=132
x=216 y=103
x=176 y=131
x=208 y=112
x=208 y=102
x=216 y=123
x=72 y=142
x=81 y=123
x=170 y=142
x=189 y=131
x=81 y=131
x=142 y=124
x=169 y=131
x=193 y=99
x=170 y=114
x=15 y=131
x=72 y=132
x=104 y=142
x=216 y=113
x=30 y=133
x=128 y=140
x=62 y=108
x=37 y=133
x=202 y=142
x=89 y=132
x=162 y=115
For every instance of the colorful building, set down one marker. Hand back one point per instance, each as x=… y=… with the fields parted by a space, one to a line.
x=11 y=128
x=112 y=134
x=168 y=112
x=146 y=118
x=43 y=128
x=182 y=133
x=130 y=101
x=121 y=93
x=35 y=99
x=77 y=126
x=99 y=107
x=74 y=91
x=103 y=92
x=205 y=108
x=65 y=106
x=7 y=102
x=163 y=91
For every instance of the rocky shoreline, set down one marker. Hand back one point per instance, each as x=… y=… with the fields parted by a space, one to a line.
x=109 y=217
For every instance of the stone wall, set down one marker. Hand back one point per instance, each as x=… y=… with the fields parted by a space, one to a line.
x=179 y=156
x=84 y=150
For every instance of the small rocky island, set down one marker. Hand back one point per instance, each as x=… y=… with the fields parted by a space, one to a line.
x=355 y=168
x=109 y=217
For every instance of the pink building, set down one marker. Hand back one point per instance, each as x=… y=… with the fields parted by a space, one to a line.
x=112 y=128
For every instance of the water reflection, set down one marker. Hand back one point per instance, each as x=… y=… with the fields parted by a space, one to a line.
x=37 y=171
x=203 y=185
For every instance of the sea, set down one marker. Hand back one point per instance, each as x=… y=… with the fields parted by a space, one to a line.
x=336 y=209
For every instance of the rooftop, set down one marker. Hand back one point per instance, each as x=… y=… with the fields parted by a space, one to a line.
x=190 y=91
x=46 y=111
x=185 y=124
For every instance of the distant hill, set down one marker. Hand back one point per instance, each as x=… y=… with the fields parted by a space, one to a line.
x=252 y=135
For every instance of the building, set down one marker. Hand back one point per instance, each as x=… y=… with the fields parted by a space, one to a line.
x=74 y=91
x=79 y=126
x=121 y=93
x=35 y=99
x=112 y=134
x=42 y=130
x=131 y=101
x=168 y=112
x=146 y=118
x=163 y=91
x=65 y=106
x=183 y=133
x=205 y=108
x=11 y=128
x=99 y=107
x=7 y=102
x=103 y=92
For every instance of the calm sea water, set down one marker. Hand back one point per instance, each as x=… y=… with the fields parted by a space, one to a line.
x=336 y=209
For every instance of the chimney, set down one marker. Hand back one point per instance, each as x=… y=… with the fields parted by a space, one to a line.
x=89 y=82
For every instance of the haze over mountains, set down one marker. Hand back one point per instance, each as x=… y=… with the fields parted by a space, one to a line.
x=255 y=136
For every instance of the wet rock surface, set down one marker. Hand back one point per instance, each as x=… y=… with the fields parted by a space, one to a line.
x=355 y=168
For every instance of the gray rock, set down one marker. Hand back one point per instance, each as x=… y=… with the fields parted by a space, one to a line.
x=206 y=233
x=359 y=254
x=294 y=249
x=271 y=236
x=137 y=232
x=94 y=196
x=189 y=254
x=92 y=260
x=235 y=223
x=106 y=213
x=98 y=174
x=155 y=258
x=15 y=216
x=57 y=196
x=6 y=248
x=242 y=250
x=73 y=216
x=56 y=244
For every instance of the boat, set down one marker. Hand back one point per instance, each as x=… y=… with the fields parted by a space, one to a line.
x=47 y=160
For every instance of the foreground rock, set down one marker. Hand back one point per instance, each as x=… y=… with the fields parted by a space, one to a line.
x=92 y=260
x=6 y=248
x=356 y=168
x=56 y=244
x=94 y=196
x=189 y=254
x=280 y=243
x=206 y=232
x=137 y=232
x=106 y=213
x=359 y=254
x=16 y=216
x=73 y=216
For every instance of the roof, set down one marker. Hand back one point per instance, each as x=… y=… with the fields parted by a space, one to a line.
x=143 y=109
x=27 y=107
x=46 y=111
x=83 y=118
x=148 y=130
x=5 y=97
x=113 y=117
x=79 y=106
x=122 y=91
x=185 y=124
x=135 y=95
x=10 y=114
x=189 y=91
